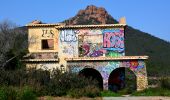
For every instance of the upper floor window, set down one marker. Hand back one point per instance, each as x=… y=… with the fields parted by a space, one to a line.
x=47 y=44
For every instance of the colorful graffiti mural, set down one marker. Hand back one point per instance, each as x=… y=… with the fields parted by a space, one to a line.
x=113 y=39
x=90 y=47
x=93 y=42
x=104 y=43
x=105 y=69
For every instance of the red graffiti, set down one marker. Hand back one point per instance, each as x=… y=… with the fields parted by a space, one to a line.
x=134 y=65
x=86 y=48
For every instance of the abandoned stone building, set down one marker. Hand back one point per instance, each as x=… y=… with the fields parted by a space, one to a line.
x=93 y=50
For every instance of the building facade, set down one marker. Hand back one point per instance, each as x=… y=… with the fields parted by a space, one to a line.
x=76 y=48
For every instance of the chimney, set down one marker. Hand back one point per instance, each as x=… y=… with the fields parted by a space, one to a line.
x=122 y=20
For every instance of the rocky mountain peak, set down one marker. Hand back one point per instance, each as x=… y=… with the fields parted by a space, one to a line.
x=91 y=15
x=93 y=10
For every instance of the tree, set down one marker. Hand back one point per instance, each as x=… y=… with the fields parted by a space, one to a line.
x=13 y=41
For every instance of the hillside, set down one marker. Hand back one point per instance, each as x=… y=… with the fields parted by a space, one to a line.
x=136 y=41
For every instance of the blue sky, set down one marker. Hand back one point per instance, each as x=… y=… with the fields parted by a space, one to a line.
x=151 y=16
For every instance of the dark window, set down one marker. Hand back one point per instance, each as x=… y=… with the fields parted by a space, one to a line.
x=48 y=44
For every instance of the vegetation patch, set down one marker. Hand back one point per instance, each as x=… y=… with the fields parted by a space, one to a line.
x=153 y=92
x=110 y=94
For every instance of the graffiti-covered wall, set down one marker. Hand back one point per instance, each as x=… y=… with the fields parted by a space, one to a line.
x=51 y=45
x=106 y=67
x=92 y=42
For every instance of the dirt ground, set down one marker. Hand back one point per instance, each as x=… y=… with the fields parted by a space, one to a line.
x=68 y=98
x=107 y=98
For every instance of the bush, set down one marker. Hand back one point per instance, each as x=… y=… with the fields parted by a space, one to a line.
x=91 y=91
x=42 y=83
x=165 y=83
x=153 y=92
x=8 y=93
x=61 y=83
x=37 y=80
x=26 y=93
x=109 y=94
x=13 y=78
x=3 y=94
x=88 y=91
x=12 y=93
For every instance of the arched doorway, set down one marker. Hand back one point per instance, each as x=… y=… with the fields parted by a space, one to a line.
x=121 y=78
x=94 y=74
x=117 y=79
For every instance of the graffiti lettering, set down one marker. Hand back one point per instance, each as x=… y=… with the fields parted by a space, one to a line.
x=113 y=40
x=47 y=33
x=68 y=36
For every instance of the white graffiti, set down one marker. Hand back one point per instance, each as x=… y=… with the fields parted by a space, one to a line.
x=68 y=36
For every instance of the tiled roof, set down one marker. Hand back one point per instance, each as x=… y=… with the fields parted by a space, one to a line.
x=57 y=24
x=63 y=26
x=90 y=26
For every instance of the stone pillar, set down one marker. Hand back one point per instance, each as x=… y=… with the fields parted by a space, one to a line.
x=142 y=79
x=142 y=83
x=105 y=84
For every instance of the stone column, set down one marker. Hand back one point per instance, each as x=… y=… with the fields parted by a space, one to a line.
x=142 y=79
x=105 y=84
x=142 y=83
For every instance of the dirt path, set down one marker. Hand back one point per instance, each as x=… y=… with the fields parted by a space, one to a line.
x=108 y=98
x=67 y=98
x=137 y=98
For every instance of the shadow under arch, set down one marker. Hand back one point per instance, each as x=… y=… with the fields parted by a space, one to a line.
x=94 y=74
x=121 y=78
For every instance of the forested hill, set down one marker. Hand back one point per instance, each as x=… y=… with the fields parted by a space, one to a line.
x=136 y=41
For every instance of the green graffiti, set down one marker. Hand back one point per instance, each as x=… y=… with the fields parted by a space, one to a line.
x=113 y=54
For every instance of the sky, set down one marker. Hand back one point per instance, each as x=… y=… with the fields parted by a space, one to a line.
x=150 y=16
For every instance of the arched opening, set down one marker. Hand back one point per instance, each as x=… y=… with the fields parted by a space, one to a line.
x=117 y=79
x=94 y=74
x=122 y=78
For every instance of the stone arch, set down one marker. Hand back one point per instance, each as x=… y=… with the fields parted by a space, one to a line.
x=138 y=68
x=94 y=74
x=116 y=80
x=122 y=77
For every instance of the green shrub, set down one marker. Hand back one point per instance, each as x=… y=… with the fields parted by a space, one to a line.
x=88 y=91
x=12 y=93
x=153 y=92
x=91 y=91
x=75 y=93
x=165 y=83
x=26 y=93
x=42 y=83
x=3 y=94
x=109 y=94
x=38 y=80
x=61 y=83
x=8 y=93
x=13 y=78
